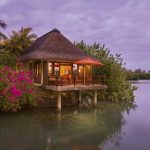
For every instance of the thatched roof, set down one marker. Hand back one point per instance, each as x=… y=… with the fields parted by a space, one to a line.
x=53 y=46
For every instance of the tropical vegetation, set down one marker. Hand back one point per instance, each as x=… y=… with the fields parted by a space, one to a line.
x=119 y=88
x=15 y=89
x=3 y=26
x=15 y=45
x=20 y=41
x=15 y=85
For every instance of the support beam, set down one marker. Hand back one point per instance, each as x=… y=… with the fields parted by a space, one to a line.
x=59 y=101
x=41 y=71
x=95 y=97
x=80 y=96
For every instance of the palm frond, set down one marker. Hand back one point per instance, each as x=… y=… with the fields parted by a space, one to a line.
x=33 y=36
x=3 y=36
x=3 y=24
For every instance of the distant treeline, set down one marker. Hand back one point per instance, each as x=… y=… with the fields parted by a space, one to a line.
x=138 y=74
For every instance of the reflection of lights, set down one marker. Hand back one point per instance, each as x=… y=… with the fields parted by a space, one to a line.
x=79 y=70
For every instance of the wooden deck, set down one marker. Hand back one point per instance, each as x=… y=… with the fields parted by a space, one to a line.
x=75 y=88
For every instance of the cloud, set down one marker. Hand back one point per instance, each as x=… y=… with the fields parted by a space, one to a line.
x=123 y=26
x=4 y=2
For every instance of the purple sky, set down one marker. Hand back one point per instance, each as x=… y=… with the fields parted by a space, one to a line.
x=122 y=25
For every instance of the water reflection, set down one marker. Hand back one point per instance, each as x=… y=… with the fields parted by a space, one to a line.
x=72 y=129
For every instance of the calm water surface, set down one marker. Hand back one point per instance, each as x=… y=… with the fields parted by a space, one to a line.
x=108 y=127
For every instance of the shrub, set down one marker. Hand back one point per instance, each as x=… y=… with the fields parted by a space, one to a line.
x=15 y=89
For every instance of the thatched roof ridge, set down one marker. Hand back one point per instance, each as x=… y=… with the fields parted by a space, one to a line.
x=53 y=46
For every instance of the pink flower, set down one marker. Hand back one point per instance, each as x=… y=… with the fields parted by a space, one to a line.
x=30 y=91
x=14 y=85
x=16 y=92
x=6 y=68
x=22 y=77
x=29 y=81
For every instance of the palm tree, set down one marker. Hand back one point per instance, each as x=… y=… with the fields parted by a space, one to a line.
x=20 y=41
x=3 y=25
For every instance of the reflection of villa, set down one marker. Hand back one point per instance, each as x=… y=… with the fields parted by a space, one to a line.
x=59 y=65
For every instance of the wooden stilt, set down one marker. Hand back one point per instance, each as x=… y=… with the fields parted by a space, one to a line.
x=80 y=97
x=95 y=97
x=59 y=101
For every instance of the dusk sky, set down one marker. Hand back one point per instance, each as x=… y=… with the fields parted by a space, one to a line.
x=122 y=25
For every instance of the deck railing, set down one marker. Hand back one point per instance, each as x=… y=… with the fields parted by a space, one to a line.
x=37 y=78
x=76 y=80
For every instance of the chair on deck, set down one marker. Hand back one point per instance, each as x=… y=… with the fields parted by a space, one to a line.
x=66 y=79
x=78 y=79
x=55 y=80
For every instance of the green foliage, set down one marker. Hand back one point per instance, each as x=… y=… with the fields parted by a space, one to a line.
x=3 y=24
x=20 y=41
x=138 y=75
x=27 y=100
x=17 y=43
x=119 y=88
x=7 y=58
x=2 y=35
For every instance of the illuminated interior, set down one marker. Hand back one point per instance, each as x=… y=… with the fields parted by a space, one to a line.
x=75 y=69
x=69 y=69
x=59 y=68
x=56 y=69
x=50 y=68
x=65 y=70
x=81 y=70
x=88 y=70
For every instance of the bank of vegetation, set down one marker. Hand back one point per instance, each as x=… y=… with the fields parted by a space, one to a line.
x=138 y=74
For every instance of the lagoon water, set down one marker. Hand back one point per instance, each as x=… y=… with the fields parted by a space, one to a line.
x=111 y=126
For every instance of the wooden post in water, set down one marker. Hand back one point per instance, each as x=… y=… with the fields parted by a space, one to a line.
x=80 y=97
x=59 y=101
x=95 y=97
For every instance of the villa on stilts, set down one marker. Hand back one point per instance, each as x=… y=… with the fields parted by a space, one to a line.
x=58 y=65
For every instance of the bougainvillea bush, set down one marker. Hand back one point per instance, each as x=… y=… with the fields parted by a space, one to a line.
x=16 y=91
